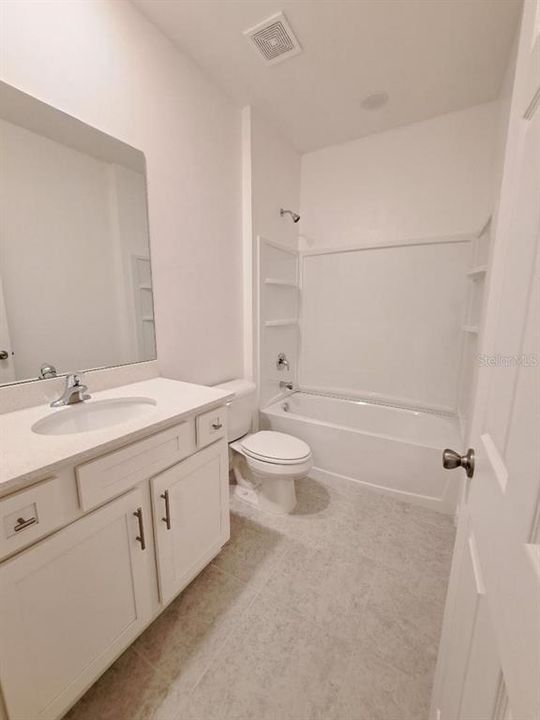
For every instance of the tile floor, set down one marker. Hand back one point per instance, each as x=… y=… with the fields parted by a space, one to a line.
x=331 y=613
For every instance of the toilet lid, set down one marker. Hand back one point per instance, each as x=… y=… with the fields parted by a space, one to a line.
x=275 y=446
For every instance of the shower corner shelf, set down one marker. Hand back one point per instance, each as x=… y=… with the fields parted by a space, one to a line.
x=280 y=283
x=476 y=272
x=473 y=329
x=280 y=323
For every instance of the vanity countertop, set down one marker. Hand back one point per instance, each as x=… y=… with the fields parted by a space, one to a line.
x=26 y=456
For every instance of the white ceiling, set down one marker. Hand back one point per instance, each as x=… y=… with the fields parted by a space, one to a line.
x=430 y=56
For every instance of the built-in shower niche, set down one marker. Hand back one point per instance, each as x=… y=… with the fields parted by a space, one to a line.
x=476 y=275
x=279 y=303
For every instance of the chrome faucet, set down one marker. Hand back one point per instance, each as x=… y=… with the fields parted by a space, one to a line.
x=286 y=385
x=282 y=362
x=74 y=392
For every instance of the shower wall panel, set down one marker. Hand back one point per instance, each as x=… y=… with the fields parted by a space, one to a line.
x=385 y=322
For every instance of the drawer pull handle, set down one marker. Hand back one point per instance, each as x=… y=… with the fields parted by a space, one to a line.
x=140 y=537
x=217 y=425
x=167 y=518
x=22 y=523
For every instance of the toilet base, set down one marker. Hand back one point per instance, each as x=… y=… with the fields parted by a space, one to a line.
x=273 y=495
x=277 y=500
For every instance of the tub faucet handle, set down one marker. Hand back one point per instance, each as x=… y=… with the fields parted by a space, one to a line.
x=282 y=362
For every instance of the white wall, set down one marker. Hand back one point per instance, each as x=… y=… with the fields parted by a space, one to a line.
x=428 y=179
x=483 y=246
x=480 y=252
x=389 y=321
x=102 y=61
x=276 y=183
x=273 y=167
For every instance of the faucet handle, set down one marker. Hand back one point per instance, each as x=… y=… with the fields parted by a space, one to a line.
x=74 y=379
x=282 y=361
x=74 y=392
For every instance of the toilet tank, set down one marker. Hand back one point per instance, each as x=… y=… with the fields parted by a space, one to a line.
x=240 y=408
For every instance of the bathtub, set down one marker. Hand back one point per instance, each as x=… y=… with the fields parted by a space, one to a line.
x=395 y=451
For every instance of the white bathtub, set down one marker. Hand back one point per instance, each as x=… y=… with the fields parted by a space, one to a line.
x=392 y=450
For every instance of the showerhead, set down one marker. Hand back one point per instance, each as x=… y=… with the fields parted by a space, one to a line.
x=295 y=216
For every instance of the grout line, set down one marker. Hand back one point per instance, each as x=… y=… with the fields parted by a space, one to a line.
x=141 y=653
x=388 y=661
x=416 y=512
x=227 y=637
x=214 y=657
x=239 y=617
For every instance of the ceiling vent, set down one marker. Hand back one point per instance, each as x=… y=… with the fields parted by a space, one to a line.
x=273 y=39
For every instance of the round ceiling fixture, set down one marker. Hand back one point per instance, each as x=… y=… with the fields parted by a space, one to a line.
x=374 y=101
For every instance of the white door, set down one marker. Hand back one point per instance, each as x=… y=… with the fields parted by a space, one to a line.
x=191 y=516
x=69 y=605
x=489 y=658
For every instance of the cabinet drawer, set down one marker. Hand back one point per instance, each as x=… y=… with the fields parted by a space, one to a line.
x=211 y=426
x=113 y=474
x=30 y=514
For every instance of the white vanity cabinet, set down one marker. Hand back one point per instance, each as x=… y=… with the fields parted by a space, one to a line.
x=145 y=519
x=191 y=517
x=69 y=605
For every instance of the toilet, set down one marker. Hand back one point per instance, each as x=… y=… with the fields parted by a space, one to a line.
x=266 y=463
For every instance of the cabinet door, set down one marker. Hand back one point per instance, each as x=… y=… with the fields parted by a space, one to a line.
x=69 y=605
x=191 y=516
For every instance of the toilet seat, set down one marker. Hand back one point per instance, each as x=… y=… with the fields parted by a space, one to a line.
x=275 y=448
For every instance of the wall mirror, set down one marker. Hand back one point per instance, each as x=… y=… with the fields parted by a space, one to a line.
x=75 y=276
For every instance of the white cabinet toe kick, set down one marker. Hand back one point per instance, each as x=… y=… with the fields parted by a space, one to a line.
x=90 y=556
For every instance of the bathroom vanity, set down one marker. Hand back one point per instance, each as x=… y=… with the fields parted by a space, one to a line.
x=100 y=529
x=110 y=504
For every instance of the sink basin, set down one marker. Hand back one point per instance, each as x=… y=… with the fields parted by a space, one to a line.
x=93 y=415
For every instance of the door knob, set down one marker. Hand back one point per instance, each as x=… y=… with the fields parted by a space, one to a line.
x=451 y=460
x=4 y=354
